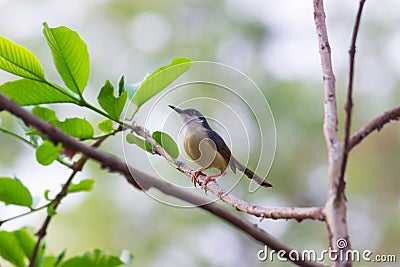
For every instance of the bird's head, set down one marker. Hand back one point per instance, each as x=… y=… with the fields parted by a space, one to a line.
x=190 y=115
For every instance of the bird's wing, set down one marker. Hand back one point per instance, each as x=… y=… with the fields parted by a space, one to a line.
x=222 y=148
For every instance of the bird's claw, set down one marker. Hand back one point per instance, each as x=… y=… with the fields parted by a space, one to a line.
x=206 y=181
x=194 y=176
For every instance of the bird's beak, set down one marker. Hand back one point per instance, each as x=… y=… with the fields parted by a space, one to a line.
x=178 y=110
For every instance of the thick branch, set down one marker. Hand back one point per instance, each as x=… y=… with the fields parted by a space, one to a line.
x=376 y=124
x=335 y=208
x=145 y=181
x=330 y=113
x=297 y=213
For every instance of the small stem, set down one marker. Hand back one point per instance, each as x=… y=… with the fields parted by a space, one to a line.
x=99 y=111
x=24 y=214
x=81 y=101
x=133 y=114
x=102 y=136
x=6 y=131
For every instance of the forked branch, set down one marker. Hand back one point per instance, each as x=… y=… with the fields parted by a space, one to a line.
x=335 y=208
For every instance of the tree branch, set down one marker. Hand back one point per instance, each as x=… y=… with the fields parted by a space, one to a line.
x=335 y=208
x=376 y=124
x=349 y=101
x=142 y=180
x=297 y=213
x=76 y=167
x=330 y=113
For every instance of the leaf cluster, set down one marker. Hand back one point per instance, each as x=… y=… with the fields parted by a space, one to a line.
x=18 y=246
x=33 y=89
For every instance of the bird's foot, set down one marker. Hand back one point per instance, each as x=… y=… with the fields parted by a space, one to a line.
x=207 y=180
x=194 y=176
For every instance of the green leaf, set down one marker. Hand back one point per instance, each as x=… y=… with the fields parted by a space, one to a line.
x=76 y=127
x=20 y=61
x=96 y=258
x=70 y=56
x=33 y=137
x=12 y=191
x=46 y=195
x=84 y=185
x=121 y=84
x=26 y=241
x=10 y=249
x=111 y=104
x=50 y=210
x=29 y=92
x=47 y=152
x=106 y=126
x=48 y=261
x=60 y=257
x=160 y=79
x=167 y=143
x=143 y=144
x=45 y=114
x=131 y=89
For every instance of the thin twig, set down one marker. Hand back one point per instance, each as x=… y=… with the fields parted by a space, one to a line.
x=24 y=214
x=142 y=180
x=76 y=167
x=26 y=141
x=285 y=213
x=349 y=101
x=376 y=124
x=15 y=135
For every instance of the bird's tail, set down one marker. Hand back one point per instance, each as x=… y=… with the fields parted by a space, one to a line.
x=250 y=174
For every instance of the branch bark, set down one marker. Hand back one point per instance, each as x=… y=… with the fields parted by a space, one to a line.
x=142 y=181
x=335 y=208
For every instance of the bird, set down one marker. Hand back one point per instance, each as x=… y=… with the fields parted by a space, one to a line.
x=207 y=148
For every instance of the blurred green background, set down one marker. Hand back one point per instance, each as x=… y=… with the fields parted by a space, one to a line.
x=274 y=43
